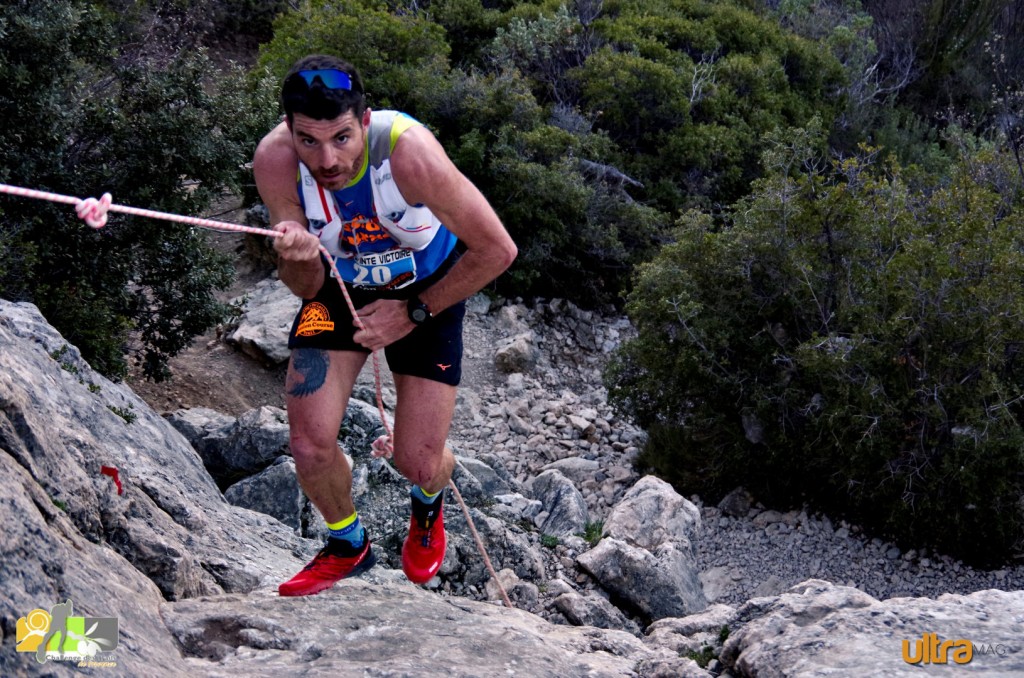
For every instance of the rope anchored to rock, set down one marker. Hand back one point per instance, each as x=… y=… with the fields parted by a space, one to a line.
x=94 y=211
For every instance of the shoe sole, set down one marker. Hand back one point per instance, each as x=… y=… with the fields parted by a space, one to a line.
x=365 y=564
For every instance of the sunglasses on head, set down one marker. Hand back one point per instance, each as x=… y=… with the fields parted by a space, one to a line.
x=330 y=78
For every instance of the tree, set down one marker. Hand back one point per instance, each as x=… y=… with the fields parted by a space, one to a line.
x=75 y=124
x=850 y=338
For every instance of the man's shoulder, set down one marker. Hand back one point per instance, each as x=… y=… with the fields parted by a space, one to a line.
x=275 y=169
x=276 y=146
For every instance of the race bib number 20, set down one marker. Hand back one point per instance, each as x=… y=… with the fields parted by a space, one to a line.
x=392 y=269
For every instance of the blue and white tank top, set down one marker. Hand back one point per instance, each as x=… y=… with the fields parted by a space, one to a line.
x=377 y=239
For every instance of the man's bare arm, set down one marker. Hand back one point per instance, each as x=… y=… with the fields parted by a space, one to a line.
x=275 y=167
x=425 y=174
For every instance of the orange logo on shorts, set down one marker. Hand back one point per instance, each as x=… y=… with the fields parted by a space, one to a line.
x=314 y=320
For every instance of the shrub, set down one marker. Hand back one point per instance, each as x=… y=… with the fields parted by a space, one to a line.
x=74 y=124
x=849 y=338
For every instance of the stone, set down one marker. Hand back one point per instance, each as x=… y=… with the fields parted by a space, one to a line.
x=737 y=503
x=835 y=630
x=518 y=354
x=716 y=582
x=80 y=537
x=274 y=491
x=575 y=469
x=565 y=507
x=268 y=312
x=590 y=609
x=362 y=627
x=659 y=583
x=232 y=449
x=652 y=513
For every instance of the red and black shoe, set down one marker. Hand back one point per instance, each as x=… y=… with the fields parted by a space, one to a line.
x=337 y=560
x=423 y=551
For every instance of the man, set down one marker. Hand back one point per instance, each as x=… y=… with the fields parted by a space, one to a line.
x=378 y=191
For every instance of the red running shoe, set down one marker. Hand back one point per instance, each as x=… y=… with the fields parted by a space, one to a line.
x=337 y=560
x=423 y=551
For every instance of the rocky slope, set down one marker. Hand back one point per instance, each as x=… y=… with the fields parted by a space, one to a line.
x=191 y=576
x=532 y=398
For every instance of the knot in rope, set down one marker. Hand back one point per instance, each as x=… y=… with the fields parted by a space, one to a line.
x=93 y=211
x=383 y=447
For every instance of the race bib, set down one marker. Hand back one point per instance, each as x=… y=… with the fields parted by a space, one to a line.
x=392 y=269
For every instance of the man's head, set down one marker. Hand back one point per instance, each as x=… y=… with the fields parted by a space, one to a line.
x=322 y=87
x=327 y=117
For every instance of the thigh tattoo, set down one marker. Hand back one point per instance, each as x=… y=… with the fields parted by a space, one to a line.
x=311 y=364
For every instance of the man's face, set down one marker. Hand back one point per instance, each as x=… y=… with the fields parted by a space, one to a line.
x=331 y=149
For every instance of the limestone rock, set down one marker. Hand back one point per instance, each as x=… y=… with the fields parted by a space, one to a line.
x=268 y=313
x=233 y=449
x=477 y=481
x=274 y=491
x=79 y=538
x=737 y=503
x=652 y=513
x=360 y=628
x=575 y=469
x=659 y=583
x=831 y=630
x=590 y=609
x=507 y=547
x=565 y=507
x=517 y=354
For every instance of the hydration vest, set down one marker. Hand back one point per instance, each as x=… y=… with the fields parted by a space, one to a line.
x=377 y=239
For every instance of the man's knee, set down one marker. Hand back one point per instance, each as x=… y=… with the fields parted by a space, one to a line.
x=313 y=452
x=421 y=466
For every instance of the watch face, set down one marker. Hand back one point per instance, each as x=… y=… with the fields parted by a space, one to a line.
x=418 y=311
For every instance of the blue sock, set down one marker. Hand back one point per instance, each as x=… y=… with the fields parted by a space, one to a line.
x=348 y=529
x=420 y=495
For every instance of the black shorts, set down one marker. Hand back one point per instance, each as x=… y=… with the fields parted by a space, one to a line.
x=432 y=350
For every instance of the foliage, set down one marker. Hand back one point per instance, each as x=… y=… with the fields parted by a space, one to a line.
x=75 y=125
x=702 y=658
x=395 y=53
x=846 y=30
x=231 y=25
x=469 y=26
x=592 y=532
x=849 y=339
x=688 y=90
x=124 y=412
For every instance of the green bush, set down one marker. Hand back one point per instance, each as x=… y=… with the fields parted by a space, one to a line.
x=688 y=90
x=149 y=131
x=396 y=54
x=850 y=338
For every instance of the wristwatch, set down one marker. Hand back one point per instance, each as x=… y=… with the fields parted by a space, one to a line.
x=419 y=313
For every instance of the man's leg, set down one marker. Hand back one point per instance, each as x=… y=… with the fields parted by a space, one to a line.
x=317 y=391
x=422 y=419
